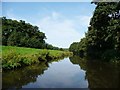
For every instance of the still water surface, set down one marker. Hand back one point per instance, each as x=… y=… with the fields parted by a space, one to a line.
x=67 y=73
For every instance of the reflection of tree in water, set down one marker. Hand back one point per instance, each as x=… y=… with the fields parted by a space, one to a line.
x=18 y=78
x=99 y=74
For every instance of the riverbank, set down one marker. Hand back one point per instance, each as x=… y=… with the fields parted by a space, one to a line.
x=14 y=57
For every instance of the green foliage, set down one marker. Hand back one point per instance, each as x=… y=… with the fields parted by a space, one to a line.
x=79 y=48
x=22 y=34
x=13 y=57
x=103 y=37
x=74 y=47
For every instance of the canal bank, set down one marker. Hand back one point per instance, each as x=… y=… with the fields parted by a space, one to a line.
x=16 y=57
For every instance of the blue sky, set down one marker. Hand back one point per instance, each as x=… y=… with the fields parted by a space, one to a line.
x=62 y=22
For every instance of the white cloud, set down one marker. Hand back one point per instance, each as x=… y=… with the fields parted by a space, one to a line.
x=62 y=32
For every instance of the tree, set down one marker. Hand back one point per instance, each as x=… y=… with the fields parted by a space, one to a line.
x=74 y=47
x=22 y=34
x=103 y=36
x=103 y=31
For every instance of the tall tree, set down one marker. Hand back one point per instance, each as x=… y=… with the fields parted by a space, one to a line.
x=103 y=37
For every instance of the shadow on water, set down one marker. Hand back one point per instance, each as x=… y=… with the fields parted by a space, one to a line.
x=18 y=78
x=99 y=74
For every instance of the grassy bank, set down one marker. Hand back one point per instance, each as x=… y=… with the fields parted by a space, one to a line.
x=13 y=57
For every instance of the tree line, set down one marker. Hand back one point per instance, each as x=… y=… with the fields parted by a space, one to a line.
x=22 y=34
x=102 y=39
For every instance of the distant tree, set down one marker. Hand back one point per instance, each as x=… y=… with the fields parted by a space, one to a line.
x=74 y=47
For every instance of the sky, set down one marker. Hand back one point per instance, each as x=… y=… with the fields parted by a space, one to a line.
x=62 y=22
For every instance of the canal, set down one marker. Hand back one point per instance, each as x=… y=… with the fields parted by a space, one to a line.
x=72 y=72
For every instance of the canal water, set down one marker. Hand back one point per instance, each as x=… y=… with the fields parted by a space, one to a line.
x=72 y=72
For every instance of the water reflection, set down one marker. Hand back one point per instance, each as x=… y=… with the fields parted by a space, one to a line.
x=72 y=72
x=62 y=74
x=99 y=74
x=18 y=78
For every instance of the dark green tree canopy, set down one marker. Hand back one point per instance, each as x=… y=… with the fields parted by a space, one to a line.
x=103 y=36
x=20 y=33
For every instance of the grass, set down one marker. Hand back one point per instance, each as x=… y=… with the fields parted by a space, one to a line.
x=13 y=57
